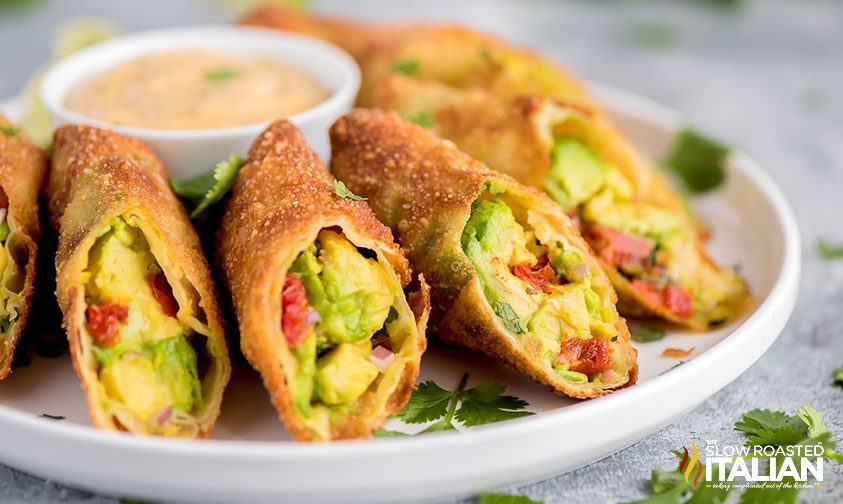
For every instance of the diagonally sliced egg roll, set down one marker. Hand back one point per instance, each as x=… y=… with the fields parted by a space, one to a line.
x=510 y=275
x=455 y=55
x=140 y=308
x=318 y=288
x=643 y=235
x=22 y=170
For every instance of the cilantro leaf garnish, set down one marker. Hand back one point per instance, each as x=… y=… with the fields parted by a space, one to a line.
x=485 y=404
x=406 y=67
x=222 y=74
x=428 y=402
x=837 y=375
x=828 y=251
x=645 y=334
x=4 y=230
x=422 y=119
x=5 y=323
x=343 y=192
x=205 y=190
x=9 y=130
x=698 y=160
x=506 y=499
x=510 y=319
x=478 y=405
x=51 y=417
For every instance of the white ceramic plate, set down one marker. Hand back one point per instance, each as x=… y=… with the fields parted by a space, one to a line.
x=251 y=458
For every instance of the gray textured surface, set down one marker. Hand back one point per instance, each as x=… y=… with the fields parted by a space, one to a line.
x=766 y=77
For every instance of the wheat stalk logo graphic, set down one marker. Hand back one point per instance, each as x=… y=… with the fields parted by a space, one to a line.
x=688 y=464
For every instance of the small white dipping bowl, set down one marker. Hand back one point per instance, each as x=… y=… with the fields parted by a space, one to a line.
x=188 y=153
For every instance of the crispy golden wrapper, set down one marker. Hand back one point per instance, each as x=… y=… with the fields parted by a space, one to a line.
x=424 y=188
x=455 y=55
x=517 y=138
x=22 y=170
x=97 y=176
x=282 y=199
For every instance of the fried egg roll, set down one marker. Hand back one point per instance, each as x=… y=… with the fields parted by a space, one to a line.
x=318 y=286
x=455 y=55
x=140 y=308
x=22 y=170
x=640 y=229
x=510 y=275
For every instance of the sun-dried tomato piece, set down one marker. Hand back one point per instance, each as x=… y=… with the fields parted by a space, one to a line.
x=103 y=320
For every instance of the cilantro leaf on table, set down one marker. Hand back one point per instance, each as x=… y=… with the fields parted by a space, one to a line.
x=506 y=499
x=669 y=487
x=645 y=334
x=765 y=427
x=206 y=190
x=698 y=160
x=653 y=35
x=837 y=376
x=479 y=405
x=343 y=192
x=828 y=251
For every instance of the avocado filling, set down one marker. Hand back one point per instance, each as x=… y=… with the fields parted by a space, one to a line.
x=653 y=248
x=540 y=288
x=147 y=361
x=13 y=258
x=339 y=312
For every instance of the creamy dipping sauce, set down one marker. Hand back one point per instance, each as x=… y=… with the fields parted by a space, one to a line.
x=195 y=90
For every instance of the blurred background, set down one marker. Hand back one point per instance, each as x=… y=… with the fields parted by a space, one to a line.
x=762 y=75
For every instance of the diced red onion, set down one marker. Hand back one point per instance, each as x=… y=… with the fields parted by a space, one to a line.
x=3 y=213
x=579 y=272
x=382 y=358
x=608 y=376
x=164 y=415
x=312 y=317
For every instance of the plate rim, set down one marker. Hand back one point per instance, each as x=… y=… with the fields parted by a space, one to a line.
x=786 y=282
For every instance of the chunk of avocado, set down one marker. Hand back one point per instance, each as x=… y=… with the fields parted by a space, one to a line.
x=174 y=361
x=575 y=174
x=343 y=375
x=133 y=382
x=118 y=267
x=350 y=292
x=492 y=240
x=302 y=388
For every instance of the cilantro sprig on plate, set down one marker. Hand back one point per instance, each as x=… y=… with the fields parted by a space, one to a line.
x=479 y=405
